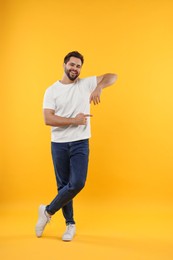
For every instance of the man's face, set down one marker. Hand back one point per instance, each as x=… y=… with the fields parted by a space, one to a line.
x=72 y=68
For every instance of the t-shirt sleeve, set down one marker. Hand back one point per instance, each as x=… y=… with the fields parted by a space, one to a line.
x=90 y=83
x=48 y=100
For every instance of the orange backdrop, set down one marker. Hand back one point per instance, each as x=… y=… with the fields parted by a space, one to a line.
x=131 y=145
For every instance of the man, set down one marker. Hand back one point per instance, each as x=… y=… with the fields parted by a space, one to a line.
x=66 y=109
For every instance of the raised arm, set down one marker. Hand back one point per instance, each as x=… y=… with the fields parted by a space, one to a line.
x=103 y=81
x=106 y=80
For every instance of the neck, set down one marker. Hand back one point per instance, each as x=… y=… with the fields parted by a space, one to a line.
x=66 y=80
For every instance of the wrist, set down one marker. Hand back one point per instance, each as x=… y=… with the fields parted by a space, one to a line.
x=72 y=121
x=99 y=87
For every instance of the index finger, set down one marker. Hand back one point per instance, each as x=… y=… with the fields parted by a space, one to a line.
x=88 y=115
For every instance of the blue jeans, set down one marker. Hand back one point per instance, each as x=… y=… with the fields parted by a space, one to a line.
x=71 y=164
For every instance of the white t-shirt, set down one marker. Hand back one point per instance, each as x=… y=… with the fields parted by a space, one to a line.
x=68 y=100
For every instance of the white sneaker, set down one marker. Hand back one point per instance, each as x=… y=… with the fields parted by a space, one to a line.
x=69 y=233
x=43 y=219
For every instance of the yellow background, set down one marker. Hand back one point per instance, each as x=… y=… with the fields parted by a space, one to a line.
x=131 y=160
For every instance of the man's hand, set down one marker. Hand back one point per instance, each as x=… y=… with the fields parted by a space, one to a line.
x=103 y=81
x=95 y=96
x=81 y=119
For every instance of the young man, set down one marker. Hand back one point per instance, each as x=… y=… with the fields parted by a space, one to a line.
x=67 y=110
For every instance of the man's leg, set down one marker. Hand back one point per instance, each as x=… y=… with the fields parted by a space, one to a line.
x=78 y=152
x=61 y=162
x=68 y=214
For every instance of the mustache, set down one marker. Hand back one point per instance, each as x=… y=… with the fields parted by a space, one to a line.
x=74 y=71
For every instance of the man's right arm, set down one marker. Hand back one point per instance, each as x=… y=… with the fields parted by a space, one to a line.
x=53 y=120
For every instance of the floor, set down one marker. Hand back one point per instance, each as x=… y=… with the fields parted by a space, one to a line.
x=114 y=230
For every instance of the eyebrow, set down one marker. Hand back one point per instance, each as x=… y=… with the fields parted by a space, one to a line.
x=72 y=63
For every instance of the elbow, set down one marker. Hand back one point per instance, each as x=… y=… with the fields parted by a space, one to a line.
x=47 y=121
x=114 y=77
x=48 y=117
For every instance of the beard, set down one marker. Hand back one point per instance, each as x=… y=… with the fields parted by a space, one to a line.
x=71 y=74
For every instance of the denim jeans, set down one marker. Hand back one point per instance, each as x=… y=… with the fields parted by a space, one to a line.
x=71 y=164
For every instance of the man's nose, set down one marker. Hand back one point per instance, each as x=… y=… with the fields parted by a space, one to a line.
x=75 y=68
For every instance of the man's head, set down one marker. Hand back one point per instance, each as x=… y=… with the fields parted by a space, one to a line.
x=75 y=54
x=73 y=62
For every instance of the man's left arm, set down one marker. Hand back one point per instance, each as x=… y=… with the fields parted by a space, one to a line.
x=103 y=81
